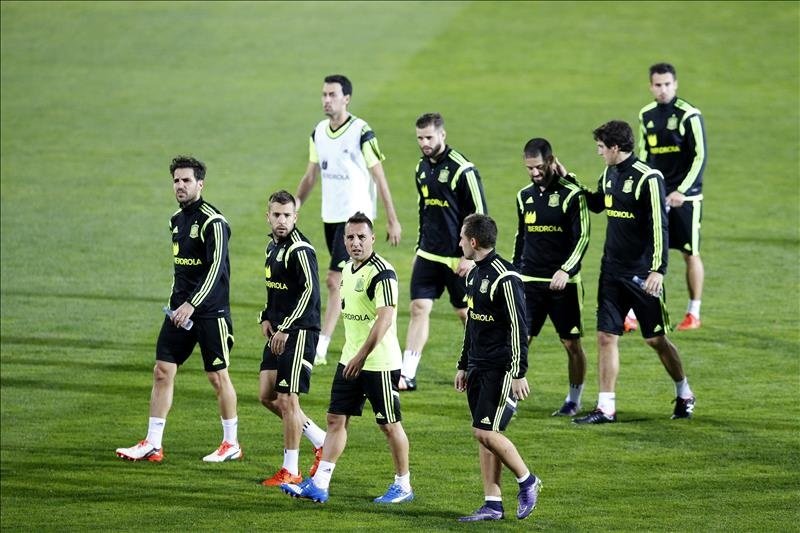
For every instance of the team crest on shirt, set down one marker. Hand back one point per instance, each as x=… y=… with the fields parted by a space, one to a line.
x=672 y=123
x=553 y=200
x=484 y=285
x=359 y=285
x=652 y=139
x=628 y=185
x=194 y=231
x=444 y=175
x=609 y=201
x=279 y=257
x=175 y=248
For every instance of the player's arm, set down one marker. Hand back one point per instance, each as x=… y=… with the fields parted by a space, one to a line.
x=302 y=262
x=312 y=173
x=696 y=139
x=460 y=380
x=595 y=200
x=307 y=183
x=653 y=195
x=215 y=238
x=383 y=320
x=578 y=214
x=392 y=223
x=519 y=238
x=511 y=294
x=373 y=157
x=642 y=155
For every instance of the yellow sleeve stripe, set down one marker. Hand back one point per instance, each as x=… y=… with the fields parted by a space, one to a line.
x=213 y=272
x=511 y=308
x=583 y=239
x=474 y=190
x=655 y=207
x=699 y=154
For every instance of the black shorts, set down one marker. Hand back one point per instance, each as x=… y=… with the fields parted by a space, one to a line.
x=215 y=336
x=429 y=279
x=563 y=307
x=294 y=365
x=684 y=227
x=379 y=387
x=615 y=295
x=490 y=399
x=334 y=238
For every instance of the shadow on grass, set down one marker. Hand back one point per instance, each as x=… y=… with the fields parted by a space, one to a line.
x=65 y=342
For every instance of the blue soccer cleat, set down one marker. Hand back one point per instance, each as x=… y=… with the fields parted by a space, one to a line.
x=306 y=489
x=484 y=513
x=395 y=494
x=526 y=499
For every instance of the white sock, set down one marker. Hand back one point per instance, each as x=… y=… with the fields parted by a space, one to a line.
x=410 y=363
x=694 y=308
x=314 y=433
x=290 y=461
x=631 y=314
x=155 y=431
x=229 y=429
x=494 y=499
x=682 y=389
x=524 y=476
x=607 y=402
x=575 y=392
x=322 y=345
x=322 y=478
x=404 y=481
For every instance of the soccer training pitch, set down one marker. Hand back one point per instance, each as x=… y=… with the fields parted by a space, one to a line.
x=98 y=97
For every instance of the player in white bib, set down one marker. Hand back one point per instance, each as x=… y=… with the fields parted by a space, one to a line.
x=343 y=150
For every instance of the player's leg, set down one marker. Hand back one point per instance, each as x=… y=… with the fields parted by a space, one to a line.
x=216 y=341
x=266 y=390
x=381 y=391
x=491 y=471
x=334 y=238
x=684 y=235
x=614 y=298
x=671 y=359
x=173 y=347
x=416 y=338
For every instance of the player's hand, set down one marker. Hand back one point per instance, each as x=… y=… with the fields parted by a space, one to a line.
x=520 y=388
x=182 y=314
x=278 y=342
x=393 y=231
x=460 y=381
x=675 y=199
x=559 y=281
x=353 y=367
x=266 y=329
x=464 y=266
x=560 y=169
x=654 y=284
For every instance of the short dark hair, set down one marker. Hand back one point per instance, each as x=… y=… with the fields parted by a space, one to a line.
x=482 y=228
x=435 y=119
x=538 y=147
x=281 y=197
x=663 y=68
x=347 y=87
x=360 y=218
x=615 y=133
x=187 y=161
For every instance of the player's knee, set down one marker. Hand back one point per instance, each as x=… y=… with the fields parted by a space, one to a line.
x=656 y=343
x=420 y=308
x=332 y=281
x=606 y=339
x=481 y=435
x=161 y=374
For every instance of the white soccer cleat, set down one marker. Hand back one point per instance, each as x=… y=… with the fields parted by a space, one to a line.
x=143 y=451
x=225 y=452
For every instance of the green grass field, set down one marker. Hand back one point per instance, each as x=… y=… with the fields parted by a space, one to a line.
x=97 y=98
